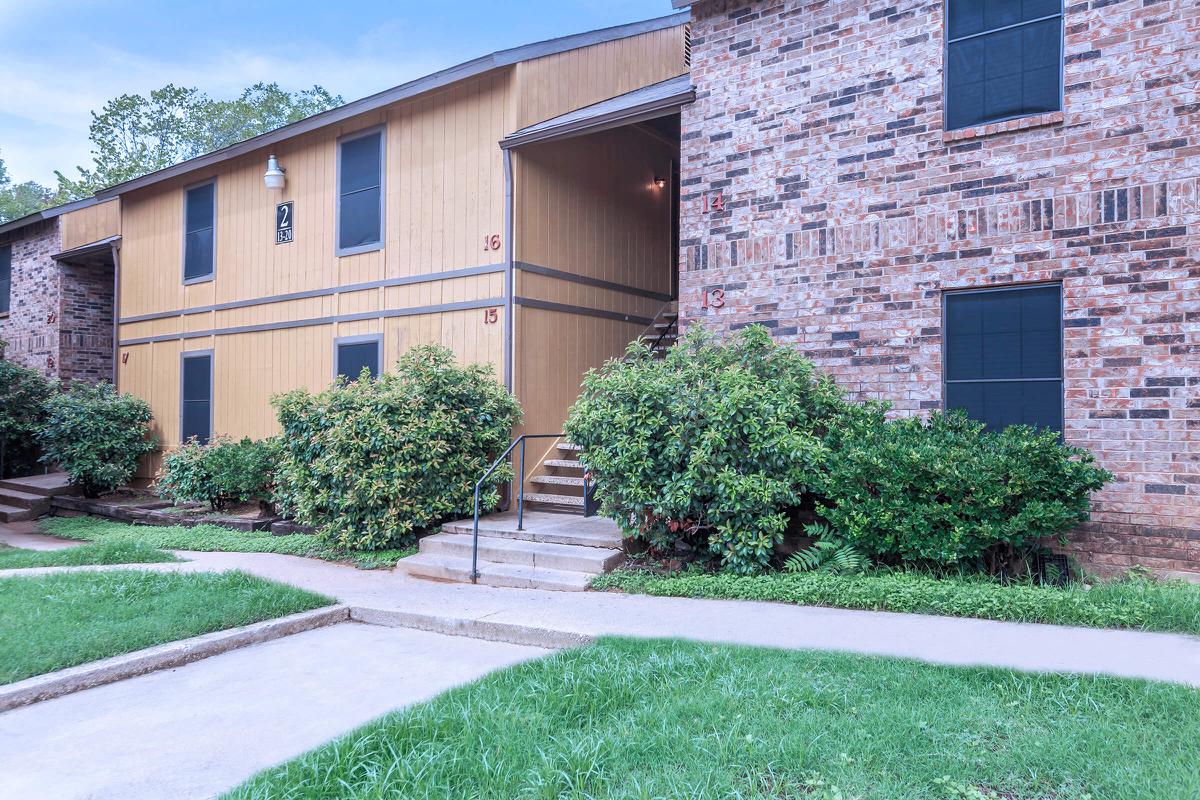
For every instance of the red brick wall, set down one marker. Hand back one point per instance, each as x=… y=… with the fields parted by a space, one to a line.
x=849 y=210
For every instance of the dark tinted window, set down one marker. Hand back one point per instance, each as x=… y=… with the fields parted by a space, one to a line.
x=1004 y=356
x=199 y=215
x=197 y=398
x=5 y=278
x=1003 y=60
x=360 y=195
x=352 y=357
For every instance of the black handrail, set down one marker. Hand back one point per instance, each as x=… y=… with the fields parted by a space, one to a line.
x=520 y=477
x=673 y=323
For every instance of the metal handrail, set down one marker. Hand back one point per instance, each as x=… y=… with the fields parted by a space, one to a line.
x=672 y=324
x=520 y=440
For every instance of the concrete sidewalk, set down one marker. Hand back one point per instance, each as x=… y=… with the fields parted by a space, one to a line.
x=201 y=729
x=945 y=640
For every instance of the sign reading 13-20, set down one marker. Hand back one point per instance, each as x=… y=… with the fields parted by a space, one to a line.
x=284 y=223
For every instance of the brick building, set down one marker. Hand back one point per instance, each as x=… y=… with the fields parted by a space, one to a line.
x=56 y=290
x=860 y=175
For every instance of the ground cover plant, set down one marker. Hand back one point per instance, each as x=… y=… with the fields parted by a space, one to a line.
x=51 y=622
x=96 y=436
x=87 y=554
x=662 y=719
x=371 y=463
x=1135 y=602
x=213 y=538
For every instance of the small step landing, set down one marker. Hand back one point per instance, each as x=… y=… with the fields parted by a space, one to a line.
x=560 y=552
x=29 y=498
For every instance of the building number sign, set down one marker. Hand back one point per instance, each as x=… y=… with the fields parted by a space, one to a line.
x=284 y=223
x=714 y=203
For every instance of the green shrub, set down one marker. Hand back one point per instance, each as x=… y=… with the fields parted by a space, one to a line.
x=713 y=445
x=371 y=462
x=943 y=491
x=220 y=473
x=96 y=436
x=23 y=396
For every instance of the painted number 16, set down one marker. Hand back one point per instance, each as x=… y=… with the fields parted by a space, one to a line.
x=491 y=242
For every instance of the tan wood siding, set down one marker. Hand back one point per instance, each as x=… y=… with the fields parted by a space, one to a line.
x=444 y=196
x=90 y=224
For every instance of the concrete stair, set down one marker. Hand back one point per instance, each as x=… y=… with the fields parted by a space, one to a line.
x=558 y=552
x=29 y=498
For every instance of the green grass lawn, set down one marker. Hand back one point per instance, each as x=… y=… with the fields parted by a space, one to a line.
x=102 y=552
x=213 y=538
x=663 y=719
x=1138 y=603
x=49 y=622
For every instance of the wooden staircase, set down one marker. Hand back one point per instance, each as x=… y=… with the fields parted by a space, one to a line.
x=559 y=480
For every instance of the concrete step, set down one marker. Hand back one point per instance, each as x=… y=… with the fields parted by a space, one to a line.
x=557 y=480
x=50 y=485
x=565 y=500
x=438 y=567
x=14 y=497
x=545 y=526
x=563 y=463
x=541 y=555
x=15 y=514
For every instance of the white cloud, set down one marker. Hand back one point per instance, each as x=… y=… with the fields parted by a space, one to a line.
x=46 y=110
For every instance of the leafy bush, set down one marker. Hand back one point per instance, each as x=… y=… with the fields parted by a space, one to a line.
x=23 y=396
x=371 y=462
x=943 y=491
x=712 y=445
x=219 y=473
x=827 y=553
x=96 y=435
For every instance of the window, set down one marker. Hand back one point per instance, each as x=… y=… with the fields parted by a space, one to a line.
x=196 y=393
x=360 y=193
x=1003 y=357
x=199 y=227
x=1003 y=60
x=353 y=353
x=5 y=279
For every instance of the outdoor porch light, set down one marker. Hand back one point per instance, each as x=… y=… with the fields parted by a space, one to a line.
x=275 y=176
x=660 y=181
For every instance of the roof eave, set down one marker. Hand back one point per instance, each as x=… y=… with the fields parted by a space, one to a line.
x=625 y=116
x=427 y=83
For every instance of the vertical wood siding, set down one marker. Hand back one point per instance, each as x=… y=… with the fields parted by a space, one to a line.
x=90 y=224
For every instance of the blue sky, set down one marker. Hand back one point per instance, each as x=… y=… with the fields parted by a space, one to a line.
x=62 y=59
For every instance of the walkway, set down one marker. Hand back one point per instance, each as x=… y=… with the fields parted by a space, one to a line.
x=201 y=729
x=558 y=615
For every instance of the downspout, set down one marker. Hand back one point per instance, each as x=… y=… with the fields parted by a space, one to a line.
x=116 y=254
x=509 y=271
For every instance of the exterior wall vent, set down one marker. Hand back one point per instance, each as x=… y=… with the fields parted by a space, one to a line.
x=687 y=45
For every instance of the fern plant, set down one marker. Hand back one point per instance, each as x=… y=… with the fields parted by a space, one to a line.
x=828 y=554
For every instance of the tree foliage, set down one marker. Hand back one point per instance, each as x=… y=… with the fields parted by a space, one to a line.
x=136 y=134
x=20 y=199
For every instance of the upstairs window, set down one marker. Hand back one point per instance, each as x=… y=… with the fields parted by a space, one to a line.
x=1004 y=359
x=5 y=279
x=199 y=229
x=1003 y=60
x=353 y=353
x=360 y=193
x=196 y=396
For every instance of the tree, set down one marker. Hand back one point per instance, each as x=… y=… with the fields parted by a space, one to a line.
x=135 y=134
x=19 y=199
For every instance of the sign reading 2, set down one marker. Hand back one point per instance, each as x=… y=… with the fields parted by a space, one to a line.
x=284 y=223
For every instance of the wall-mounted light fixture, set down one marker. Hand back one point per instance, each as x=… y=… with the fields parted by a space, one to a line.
x=275 y=176
x=660 y=181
